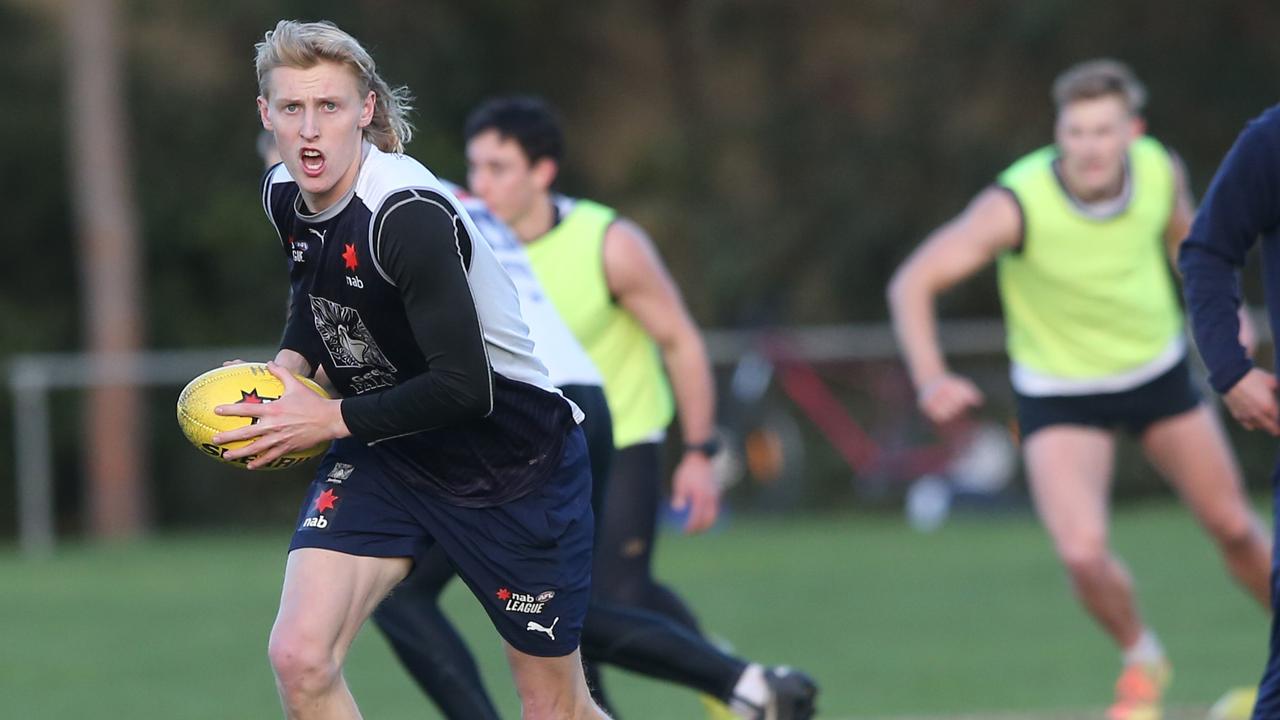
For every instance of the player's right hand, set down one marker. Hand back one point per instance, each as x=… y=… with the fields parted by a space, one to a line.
x=299 y=419
x=947 y=397
x=694 y=486
x=1252 y=402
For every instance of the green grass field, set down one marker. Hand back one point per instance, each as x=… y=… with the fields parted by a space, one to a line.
x=974 y=620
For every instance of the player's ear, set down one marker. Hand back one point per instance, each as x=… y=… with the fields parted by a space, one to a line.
x=262 y=113
x=366 y=112
x=545 y=171
x=1138 y=126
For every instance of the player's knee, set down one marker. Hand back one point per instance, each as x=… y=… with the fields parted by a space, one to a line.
x=1085 y=558
x=302 y=667
x=551 y=690
x=555 y=703
x=1235 y=533
x=539 y=706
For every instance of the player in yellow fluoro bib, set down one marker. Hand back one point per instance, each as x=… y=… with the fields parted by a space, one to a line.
x=1081 y=233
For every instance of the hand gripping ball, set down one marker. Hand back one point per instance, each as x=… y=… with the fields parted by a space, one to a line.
x=244 y=382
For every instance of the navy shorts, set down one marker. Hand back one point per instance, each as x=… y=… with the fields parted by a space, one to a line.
x=528 y=561
x=1132 y=410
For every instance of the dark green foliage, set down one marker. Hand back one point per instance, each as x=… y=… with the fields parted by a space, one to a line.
x=784 y=155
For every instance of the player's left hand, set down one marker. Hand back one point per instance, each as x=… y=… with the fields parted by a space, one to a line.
x=298 y=420
x=696 y=487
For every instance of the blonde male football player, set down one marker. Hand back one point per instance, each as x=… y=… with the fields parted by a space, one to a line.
x=447 y=433
x=1081 y=233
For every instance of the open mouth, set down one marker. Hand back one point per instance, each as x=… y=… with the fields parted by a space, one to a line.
x=312 y=162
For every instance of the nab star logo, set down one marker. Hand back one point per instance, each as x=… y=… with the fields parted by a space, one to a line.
x=349 y=256
x=316 y=518
x=326 y=500
x=503 y=593
x=253 y=398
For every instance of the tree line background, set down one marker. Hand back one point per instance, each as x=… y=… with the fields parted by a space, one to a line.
x=784 y=155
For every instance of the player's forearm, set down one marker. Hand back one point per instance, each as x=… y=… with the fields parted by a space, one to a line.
x=916 y=328
x=293 y=361
x=296 y=341
x=1212 y=289
x=1238 y=206
x=691 y=381
x=436 y=398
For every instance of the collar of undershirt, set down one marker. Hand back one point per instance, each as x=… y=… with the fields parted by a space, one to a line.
x=561 y=206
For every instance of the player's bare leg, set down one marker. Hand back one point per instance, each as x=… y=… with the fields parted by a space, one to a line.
x=1069 y=469
x=326 y=598
x=1192 y=451
x=552 y=688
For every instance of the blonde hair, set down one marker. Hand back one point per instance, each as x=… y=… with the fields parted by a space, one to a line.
x=1099 y=78
x=304 y=45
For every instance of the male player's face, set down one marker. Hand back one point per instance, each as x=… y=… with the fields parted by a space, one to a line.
x=318 y=115
x=1093 y=136
x=499 y=173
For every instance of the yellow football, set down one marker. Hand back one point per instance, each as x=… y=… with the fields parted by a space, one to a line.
x=245 y=382
x=1236 y=704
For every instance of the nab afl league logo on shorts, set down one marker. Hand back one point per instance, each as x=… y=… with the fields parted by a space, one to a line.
x=322 y=510
x=524 y=603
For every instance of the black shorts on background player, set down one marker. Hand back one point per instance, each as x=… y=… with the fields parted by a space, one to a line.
x=1132 y=410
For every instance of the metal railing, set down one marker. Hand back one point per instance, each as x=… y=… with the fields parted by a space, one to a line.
x=33 y=377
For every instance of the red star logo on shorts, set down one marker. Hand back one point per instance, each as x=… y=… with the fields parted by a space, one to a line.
x=327 y=500
x=349 y=256
x=503 y=593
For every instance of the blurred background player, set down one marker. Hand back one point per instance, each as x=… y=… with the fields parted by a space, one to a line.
x=610 y=287
x=1081 y=233
x=266 y=146
x=1242 y=204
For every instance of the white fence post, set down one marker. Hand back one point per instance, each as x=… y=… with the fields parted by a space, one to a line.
x=33 y=459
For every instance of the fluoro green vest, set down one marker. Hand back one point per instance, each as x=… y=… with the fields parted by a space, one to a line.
x=1088 y=298
x=569 y=264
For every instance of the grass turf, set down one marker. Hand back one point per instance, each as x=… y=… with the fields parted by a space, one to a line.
x=974 y=619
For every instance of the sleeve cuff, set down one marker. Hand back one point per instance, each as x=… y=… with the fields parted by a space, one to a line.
x=1223 y=381
x=353 y=414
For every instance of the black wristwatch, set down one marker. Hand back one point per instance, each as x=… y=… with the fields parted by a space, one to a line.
x=709 y=448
